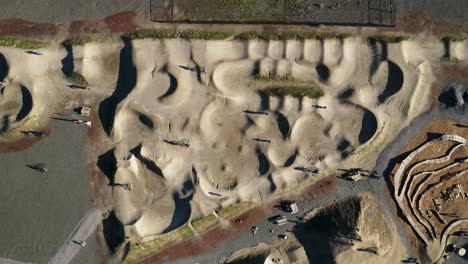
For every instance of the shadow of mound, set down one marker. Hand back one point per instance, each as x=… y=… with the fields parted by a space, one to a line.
x=263 y=164
x=27 y=104
x=454 y=95
x=368 y=127
x=290 y=161
x=145 y=120
x=344 y=148
x=323 y=72
x=4 y=124
x=149 y=164
x=182 y=212
x=346 y=94
x=107 y=163
x=395 y=81
x=114 y=232
x=334 y=225
x=283 y=124
x=379 y=53
x=264 y=101
x=172 y=87
x=67 y=62
x=125 y=83
x=4 y=68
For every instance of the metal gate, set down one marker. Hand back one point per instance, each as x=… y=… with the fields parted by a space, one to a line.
x=162 y=10
x=382 y=12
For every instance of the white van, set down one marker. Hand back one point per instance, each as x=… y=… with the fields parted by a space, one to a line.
x=281 y=220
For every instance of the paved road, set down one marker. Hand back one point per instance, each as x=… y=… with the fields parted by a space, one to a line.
x=10 y=261
x=82 y=231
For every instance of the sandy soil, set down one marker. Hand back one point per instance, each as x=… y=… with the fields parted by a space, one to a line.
x=149 y=100
x=372 y=91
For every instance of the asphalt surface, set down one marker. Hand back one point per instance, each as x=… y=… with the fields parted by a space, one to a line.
x=39 y=211
x=82 y=232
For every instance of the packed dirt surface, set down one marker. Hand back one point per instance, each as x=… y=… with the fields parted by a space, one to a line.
x=182 y=142
x=183 y=130
x=346 y=231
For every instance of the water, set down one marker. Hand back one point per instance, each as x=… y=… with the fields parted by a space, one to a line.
x=38 y=211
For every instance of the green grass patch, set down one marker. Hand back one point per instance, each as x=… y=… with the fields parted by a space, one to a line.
x=204 y=223
x=205 y=35
x=288 y=36
x=78 y=79
x=235 y=209
x=454 y=38
x=450 y=60
x=80 y=41
x=151 y=34
x=310 y=91
x=389 y=38
x=28 y=44
x=274 y=78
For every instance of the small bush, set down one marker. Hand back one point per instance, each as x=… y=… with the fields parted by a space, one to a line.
x=205 y=35
x=151 y=34
x=451 y=60
x=389 y=39
x=78 y=41
x=78 y=79
x=454 y=38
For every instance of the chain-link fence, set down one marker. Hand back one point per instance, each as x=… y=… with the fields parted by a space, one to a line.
x=162 y=10
x=350 y=12
x=382 y=12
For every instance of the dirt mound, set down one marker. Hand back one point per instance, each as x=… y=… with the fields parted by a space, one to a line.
x=348 y=231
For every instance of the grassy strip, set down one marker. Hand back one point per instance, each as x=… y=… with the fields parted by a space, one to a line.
x=288 y=36
x=145 y=249
x=211 y=35
x=204 y=223
x=187 y=34
x=78 y=79
x=389 y=39
x=454 y=38
x=450 y=60
x=235 y=209
x=310 y=91
x=22 y=43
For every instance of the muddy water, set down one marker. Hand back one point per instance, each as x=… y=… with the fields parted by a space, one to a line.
x=38 y=211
